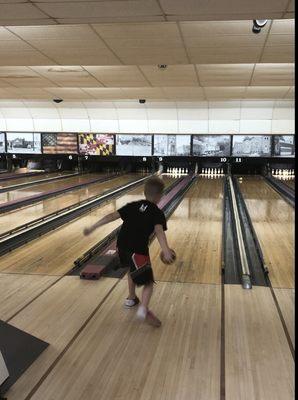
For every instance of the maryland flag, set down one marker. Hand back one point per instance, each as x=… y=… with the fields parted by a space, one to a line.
x=96 y=144
x=59 y=143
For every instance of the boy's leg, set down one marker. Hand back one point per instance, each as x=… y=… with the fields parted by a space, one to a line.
x=131 y=288
x=143 y=311
x=132 y=299
x=146 y=295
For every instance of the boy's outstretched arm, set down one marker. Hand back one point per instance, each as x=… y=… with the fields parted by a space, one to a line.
x=105 y=220
x=162 y=239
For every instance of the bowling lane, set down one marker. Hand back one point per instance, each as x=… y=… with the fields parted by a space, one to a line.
x=43 y=187
x=34 y=178
x=24 y=215
x=55 y=252
x=273 y=221
x=195 y=233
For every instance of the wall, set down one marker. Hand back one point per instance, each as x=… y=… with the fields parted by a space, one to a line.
x=153 y=117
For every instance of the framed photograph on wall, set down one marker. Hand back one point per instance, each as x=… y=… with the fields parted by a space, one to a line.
x=23 y=142
x=211 y=145
x=133 y=145
x=59 y=143
x=2 y=142
x=284 y=146
x=171 y=145
x=98 y=144
x=251 y=146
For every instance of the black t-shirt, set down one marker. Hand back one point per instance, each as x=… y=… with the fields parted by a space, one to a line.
x=139 y=219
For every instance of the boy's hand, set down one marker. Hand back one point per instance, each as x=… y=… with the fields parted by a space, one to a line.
x=168 y=256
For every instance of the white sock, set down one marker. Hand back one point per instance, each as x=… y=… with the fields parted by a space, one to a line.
x=142 y=312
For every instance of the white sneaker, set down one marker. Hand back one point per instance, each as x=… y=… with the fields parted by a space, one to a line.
x=141 y=313
x=131 y=302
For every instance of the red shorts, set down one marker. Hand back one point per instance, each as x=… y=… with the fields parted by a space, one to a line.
x=139 y=266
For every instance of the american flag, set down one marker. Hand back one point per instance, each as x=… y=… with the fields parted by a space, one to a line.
x=59 y=143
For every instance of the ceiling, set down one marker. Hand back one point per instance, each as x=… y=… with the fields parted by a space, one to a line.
x=69 y=53
x=47 y=12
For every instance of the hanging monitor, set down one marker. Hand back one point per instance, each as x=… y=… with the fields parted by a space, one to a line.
x=99 y=144
x=284 y=146
x=211 y=145
x=251 y=146
x=171 y=145
x=23 y=142
x=133 y=145
x=59 y=143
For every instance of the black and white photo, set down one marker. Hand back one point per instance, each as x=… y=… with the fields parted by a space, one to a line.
x=26 y=142
x=2 y=142
x=211 y=145
x=133 y=145
x=171 y=145
x=251 y=146
x=284 y=146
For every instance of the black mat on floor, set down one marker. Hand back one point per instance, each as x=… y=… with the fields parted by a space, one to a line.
x=19 y=350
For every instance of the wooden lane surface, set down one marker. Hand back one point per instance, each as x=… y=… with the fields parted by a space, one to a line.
x=55 y=252
x=43 y=187
x=26 y=214
x=195 y=233
x=273 y=221
x=17 y=290
x=115 y=357
x=56 y=316
x=18 y=181
x=258 y=361
x=286 y=301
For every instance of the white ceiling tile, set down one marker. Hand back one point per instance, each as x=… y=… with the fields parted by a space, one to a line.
x=224 y=55
x=5 y=34
x=273 y=74
x=27 y=22
x=21 y=11
x=212 y=28
x=102 y=20
x=213 y=93
x=224 y=74
x=190 y=7
x=105 y=93
x=138 y=30
x=278 y=54
x=266 y=92
x=102 y=9
x=283 y=26
x=68 y=93
x=121 y=76
x=184 y=93
x=280 y=40
x=55 y=32
x=215 y=41
x=24 y=58
x=173 y=75
x=143 y=93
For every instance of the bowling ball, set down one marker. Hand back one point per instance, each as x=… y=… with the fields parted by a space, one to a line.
x=161 y=255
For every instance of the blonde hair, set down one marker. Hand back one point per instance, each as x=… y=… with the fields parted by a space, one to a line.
x=154 y=187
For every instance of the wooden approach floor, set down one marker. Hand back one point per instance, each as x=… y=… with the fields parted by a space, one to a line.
x=214 y=340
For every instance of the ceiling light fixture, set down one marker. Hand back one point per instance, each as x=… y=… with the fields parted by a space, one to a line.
x=258 y=24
